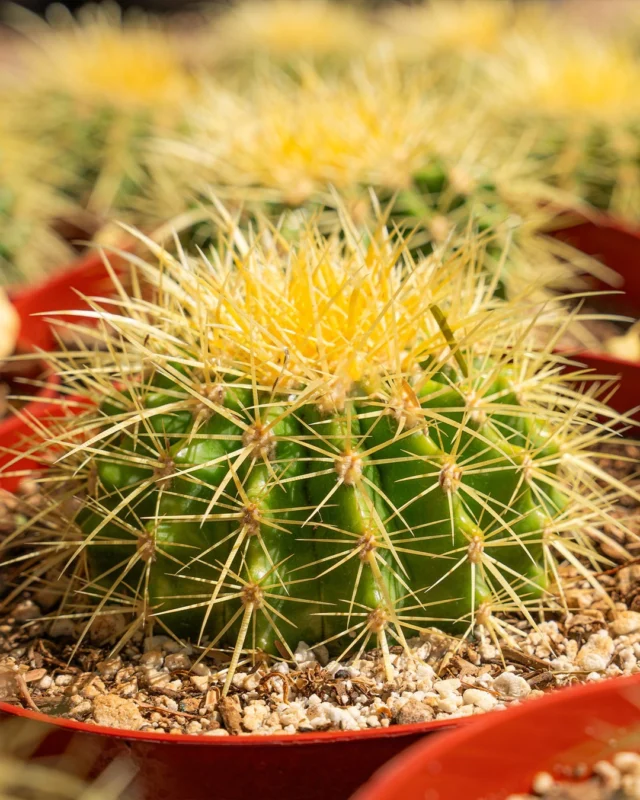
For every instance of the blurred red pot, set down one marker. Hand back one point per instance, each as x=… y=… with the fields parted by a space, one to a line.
x=89 y=276
x=500 y=753
x=616 y=245
x=311 y=766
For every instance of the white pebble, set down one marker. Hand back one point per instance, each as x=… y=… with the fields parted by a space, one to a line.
x=446 y=687
x=449 y=703
x=625 y=623
x=303 y=653
x=596 y=653
x=511 y=685
x=478 y=698
x=542 y=783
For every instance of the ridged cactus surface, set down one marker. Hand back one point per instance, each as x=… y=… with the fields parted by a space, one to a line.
x=324 y=441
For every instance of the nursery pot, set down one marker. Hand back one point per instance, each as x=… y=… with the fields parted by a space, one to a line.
x=36 y=306
x=311 y=766
x=626 y=398
x=616 y=245
x=16 y=427
x=314 y=765
x=500 y=753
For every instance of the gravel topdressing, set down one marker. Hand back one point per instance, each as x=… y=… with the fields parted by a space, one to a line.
x=618 y=779
x=155 y=684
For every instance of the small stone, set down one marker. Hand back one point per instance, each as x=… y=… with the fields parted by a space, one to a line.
x=480 y=699
x=177 y=661
x=322 y=654
x=25 y=611
x=109 y=667
x=82 y=709
x=152 y=659
x=448 y=703
x=8 y=684
x=46 y=683
x=447 y=687
x=543 y=782
x=107 y=628
x=117 y=712
x=511 y=685
x=625 y=623
x=93 y=689
x=414 y=711
x=61 y=628
x=229 y=708
x=200 y=682
x=627 y=762
x=217 y=732
x=304 y=654
x=596 y=653
x=608 y=774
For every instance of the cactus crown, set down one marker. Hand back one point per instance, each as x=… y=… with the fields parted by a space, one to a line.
x=319 y=142
x=325 y=441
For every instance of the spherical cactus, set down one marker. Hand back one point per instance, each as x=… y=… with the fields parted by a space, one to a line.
x=324 y=441
x=296 y=150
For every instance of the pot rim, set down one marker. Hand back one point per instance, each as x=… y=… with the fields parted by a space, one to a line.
x=76 y=268
x=35 y=408
x=382 y=784
x=301 y=739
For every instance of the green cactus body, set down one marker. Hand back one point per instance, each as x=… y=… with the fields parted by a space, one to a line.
x=356 y=512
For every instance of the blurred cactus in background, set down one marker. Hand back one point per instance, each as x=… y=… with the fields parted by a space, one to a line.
x=90 y=91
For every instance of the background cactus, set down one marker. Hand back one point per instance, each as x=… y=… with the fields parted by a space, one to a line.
x=82 y=100
x=324 y=440
x=576 y=102
x=299 y=148
x=31 y=204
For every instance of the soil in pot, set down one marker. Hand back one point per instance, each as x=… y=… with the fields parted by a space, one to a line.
x=616 y=779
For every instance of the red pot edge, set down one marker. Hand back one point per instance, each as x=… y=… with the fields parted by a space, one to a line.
x=384 y=781
x=35 y=409
x=298 y=739
x=92 y=259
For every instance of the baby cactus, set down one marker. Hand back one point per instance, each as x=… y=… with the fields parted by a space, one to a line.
x=324 y=441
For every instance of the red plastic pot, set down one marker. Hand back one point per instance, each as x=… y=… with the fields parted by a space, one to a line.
x=501 y=753
x=311 y=766
x=618 y=247
x=626 y=398
x=90 y=277
x=63 y=292
x=16 y=429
